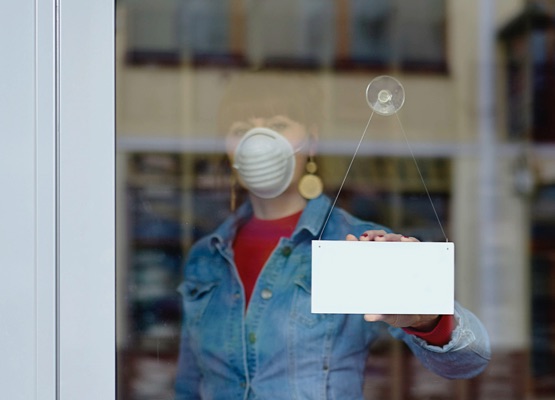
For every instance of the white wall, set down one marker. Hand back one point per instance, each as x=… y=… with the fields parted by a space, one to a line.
x=57 y=218
x=18 y=229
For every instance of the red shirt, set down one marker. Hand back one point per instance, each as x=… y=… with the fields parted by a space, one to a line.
x=254 y=244
x=440 y=335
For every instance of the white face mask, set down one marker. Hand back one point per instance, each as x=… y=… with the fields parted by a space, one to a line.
x=265 y=162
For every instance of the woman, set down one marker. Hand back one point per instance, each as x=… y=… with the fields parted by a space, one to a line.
x=247 y=327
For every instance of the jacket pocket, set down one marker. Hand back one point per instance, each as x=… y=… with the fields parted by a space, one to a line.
x=301 y=310
x=196 y=296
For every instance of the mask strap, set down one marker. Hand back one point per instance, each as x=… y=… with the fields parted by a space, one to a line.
x=302 y=145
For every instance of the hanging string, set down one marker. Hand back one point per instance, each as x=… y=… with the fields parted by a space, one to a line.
x=421 y=177
x=415 y=163
x=345 y=177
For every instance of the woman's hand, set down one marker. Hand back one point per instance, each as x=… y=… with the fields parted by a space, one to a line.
x=419 y=322
x=381 y=236
x=424 y=323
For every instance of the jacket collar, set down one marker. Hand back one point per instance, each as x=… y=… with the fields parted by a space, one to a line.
x=312 y=221
x=313 y=217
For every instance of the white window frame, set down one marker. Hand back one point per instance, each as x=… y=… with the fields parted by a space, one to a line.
x=57 y=264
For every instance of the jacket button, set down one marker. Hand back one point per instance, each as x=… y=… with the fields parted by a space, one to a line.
x=266 y=294
x=252 y=338
x=286 y=251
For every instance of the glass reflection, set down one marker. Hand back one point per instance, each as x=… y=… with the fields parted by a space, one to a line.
x=175 y=61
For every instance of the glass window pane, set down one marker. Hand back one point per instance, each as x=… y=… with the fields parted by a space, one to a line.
x=196 y=82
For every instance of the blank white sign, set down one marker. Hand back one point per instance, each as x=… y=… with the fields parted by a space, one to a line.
x=356 y=277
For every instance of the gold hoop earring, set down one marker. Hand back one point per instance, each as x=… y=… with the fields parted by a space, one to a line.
x=310 y=185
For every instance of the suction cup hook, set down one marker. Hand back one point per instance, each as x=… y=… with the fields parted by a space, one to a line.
x=385 y=95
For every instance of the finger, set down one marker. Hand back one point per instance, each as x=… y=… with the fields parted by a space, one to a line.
x=372 y=234
x=397 y=320
x=373 y=317
x=389 y=237
x=391 y=319
x=409 y=239
x=351 y=237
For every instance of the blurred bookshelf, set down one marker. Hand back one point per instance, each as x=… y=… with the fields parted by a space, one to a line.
x=172 y=199
x=543 y=290
x=337 y=34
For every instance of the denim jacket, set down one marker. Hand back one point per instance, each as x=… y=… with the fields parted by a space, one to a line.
x=277 y=349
